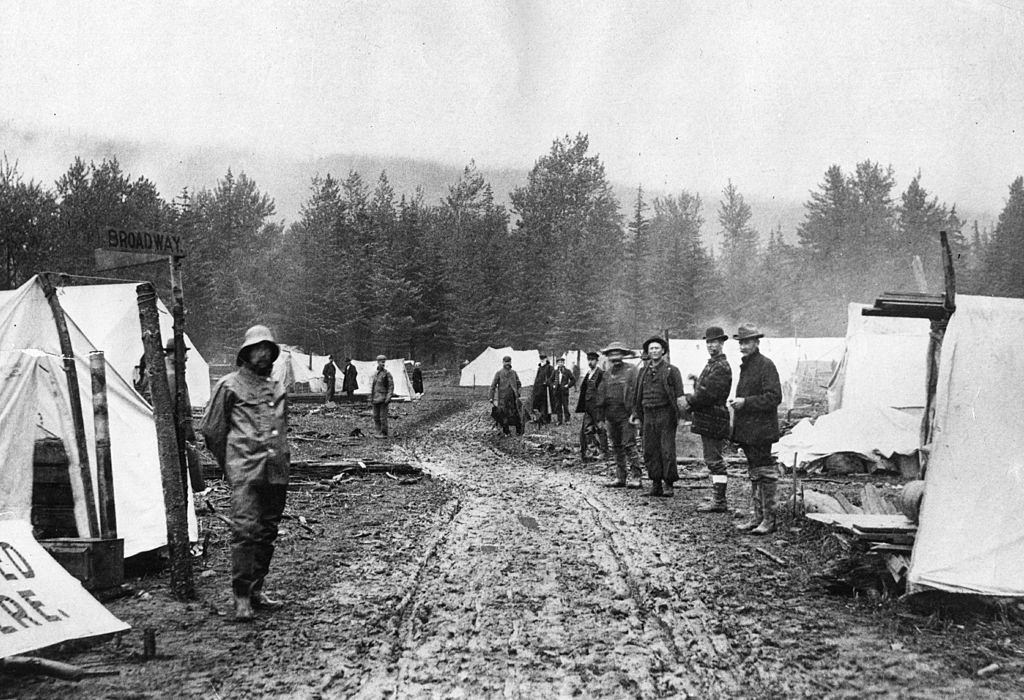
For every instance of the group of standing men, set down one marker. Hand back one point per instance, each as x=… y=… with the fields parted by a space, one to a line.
x=621 y=401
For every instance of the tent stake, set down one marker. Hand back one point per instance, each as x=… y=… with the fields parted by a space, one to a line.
x=175 y=504
x=101 y=422
x=71 y=371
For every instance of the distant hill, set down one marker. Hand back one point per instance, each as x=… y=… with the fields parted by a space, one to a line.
x=286 y=178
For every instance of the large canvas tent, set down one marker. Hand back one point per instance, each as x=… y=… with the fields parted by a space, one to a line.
x=482 y=369
x=34 y=402
x=884 y=363
x=294 y=366
x=970 y=535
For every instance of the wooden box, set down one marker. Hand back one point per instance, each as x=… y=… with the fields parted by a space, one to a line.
x=98 y=564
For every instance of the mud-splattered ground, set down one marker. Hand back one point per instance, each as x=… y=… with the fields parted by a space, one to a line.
x=513 y=573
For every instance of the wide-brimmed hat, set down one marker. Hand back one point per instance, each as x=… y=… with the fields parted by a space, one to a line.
x=656 y=339
x=593 y=355
x=254 y=336
x=747 y=331
x=715 y=333
x=617 y=347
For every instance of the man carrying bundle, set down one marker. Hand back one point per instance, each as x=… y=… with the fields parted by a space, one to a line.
x=504 y=397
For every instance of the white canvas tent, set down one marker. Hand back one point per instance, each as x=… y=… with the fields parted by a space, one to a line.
x=293 y=366
x=884 y=363
x=108 y=314
x=484 y=366
x=34 y=402
x=690 y=356
x=970 y=535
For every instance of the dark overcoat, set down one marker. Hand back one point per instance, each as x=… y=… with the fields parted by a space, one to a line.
x=758 y=421
x=710 y=416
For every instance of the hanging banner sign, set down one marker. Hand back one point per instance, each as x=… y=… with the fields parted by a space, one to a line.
x=140 y=241
x=41 y=604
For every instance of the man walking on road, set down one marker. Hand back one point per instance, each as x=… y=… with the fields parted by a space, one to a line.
x=246 y=429
x=541 y=401
x=658 y=397
x=711 y=417
x=562 y=380
x=382 y=390
x=591 y=405
x=504 y=396
x=619 y=384
x=756 y=427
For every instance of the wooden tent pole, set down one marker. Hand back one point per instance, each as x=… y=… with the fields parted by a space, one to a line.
x=175 y=505
x=182 y=411
x=71 y=371
x=101 y=422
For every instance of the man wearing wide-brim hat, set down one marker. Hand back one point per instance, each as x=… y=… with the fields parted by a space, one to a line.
x=657 y=402
x=756 y=427
x=246 y=429
x=616 y=402
x=710 y=417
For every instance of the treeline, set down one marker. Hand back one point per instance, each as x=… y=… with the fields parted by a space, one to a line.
x=366 y=270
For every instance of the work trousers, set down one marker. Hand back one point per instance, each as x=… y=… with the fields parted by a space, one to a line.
x=622 y=436
x=761 y=464
x=660 y=444
x=713 y=454
x=541 y=403
x=589 y=429
x=256 y=509
x=330 y=389
x=380 y=417
x=560 y=405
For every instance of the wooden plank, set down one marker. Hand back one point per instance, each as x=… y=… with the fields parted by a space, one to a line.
x=867 y=523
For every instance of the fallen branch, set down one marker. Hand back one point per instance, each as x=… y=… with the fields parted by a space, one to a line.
x=31 y=665
x=778 y=560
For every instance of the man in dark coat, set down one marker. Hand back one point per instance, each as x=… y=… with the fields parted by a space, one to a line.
x=756 y=427
x=504 y=397
x=541 y=401
x=591 y=405
x=417 y=378
x=382 y=390
x=617 y=387
x=711 y=417
x=562 y=380
x=330 y=373
x=348 y=375
x=657 y=402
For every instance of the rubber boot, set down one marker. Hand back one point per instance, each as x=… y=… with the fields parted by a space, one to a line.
x=758 y=515
x=768 y=507
x=243 y=609
x=718 y=505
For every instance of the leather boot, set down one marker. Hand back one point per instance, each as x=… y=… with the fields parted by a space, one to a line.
x=755 y=519
x=668 y=491
x=656 y=489
x=620 y=479
x=261 y=600
x=635 y=482
x=768 y=507
x=243 y=609
x=718 y=505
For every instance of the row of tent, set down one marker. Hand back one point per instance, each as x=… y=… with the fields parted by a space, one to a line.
x=294 y=367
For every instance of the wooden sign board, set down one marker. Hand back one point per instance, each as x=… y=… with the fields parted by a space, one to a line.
x=142 y=241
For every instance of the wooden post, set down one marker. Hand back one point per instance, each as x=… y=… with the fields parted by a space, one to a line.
x=101 y=422
x=935 y=337
x=76 y=403
x=175 y=505
x=182 y=411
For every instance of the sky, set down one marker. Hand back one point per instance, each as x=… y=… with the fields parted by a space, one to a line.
x=673 y=95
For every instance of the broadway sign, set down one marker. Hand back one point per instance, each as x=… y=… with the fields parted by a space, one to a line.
x=137 y=241
x=41 y=604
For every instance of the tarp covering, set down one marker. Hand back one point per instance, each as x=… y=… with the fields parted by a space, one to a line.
x=690 y=356
x=34 y=393
x=294 y=366
x=885 y=362
x=50 y=604
x=484 y=366
x=867 y=431
x=971 y=533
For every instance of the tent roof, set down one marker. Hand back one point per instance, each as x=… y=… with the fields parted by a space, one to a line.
x=482 y=369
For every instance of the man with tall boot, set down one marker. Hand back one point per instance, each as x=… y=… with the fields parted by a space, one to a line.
x=710 y=417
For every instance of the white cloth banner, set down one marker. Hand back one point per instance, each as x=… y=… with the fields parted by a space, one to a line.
x=41 y=604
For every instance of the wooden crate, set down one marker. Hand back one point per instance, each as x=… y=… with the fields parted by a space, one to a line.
x=98 y=564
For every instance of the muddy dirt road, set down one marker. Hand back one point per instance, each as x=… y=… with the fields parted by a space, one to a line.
x=512 y=573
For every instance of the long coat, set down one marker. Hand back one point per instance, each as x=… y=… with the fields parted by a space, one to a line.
x=710 y=416
x=758 y=421
x=591 y=399
x=349 y=383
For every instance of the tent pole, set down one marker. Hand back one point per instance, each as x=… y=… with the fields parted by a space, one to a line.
x=182 y=412
x=101 y=422
x=175 y=504
x=76 y=402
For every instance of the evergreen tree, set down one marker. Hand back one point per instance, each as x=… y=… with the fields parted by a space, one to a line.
x=919 y=221
x=633 y=308
x=1004 y=259
x=740 y=257
x=28 y=219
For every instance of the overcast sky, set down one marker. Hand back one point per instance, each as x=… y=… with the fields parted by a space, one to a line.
x=675 y=94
